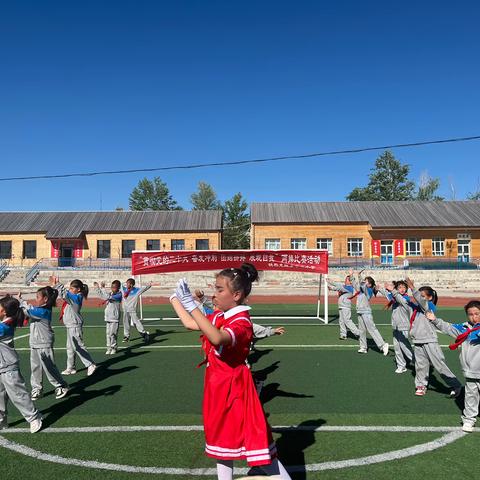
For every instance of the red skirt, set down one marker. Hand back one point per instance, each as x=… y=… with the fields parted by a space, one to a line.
x=234 y=420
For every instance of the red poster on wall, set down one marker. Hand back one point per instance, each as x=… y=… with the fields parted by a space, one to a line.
x=399 y=248
x=78 y=252
x=375 y=248
x=54 y=249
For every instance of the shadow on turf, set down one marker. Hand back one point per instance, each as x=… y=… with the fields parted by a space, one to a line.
x=270 y=391
x=292 y=444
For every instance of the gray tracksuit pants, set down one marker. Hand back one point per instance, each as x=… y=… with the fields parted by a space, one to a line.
x=345 y=322
x=366 y=323
x=472 y=397
x=131 y=317
x=12 y=385
x=427 y=354
x=75 y=345
x=43 y=360
x=402 y=348
x=111 y=332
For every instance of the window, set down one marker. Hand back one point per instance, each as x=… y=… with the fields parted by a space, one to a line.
x=272 y=244
x=355 y=247
x=438 y=247
x=153 y=244
x=325 y=244
x=128 y=246
x=178 y=244
x=414 y=247
x=201 y=244
x=103 y=248
x=29 y=249
x=298 y=243
x=5 y=249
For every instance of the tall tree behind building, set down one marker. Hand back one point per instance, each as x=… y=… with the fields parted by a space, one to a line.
x=205 y=198
x=236 y=223
x=388 y=181
x=152 y=195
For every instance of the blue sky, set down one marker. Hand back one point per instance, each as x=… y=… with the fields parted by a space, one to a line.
x=106 y=85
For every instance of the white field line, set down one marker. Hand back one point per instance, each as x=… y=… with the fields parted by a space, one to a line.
x=21 y=336
x=279 y=428
x=446 y=439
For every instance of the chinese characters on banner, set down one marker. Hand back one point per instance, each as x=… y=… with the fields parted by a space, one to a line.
x=78 y=249
x=55 y=249
x=313 y=261
x=375 y=248
x=399 y=248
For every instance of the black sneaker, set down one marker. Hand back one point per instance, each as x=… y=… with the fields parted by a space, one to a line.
x=146 y=337
x=126 y=339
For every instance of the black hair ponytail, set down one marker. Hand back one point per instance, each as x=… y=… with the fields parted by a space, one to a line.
x=50 y=294
x=431 y=293
x=13 y=310
x=241 y=279
x=83 y=287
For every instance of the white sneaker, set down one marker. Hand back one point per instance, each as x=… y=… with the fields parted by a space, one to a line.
x=60 y=392
x=385 y=349
x=3 y=423
x=400 y=370
x=467 y=427
x=362 y=350
x=113 y=351
x=69 y=371
x=108 y=352
x=36 y=425
x=36 y=394
x=91 y=369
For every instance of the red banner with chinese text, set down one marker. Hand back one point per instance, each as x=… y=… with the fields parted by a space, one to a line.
x=54 y=251
x=145 y=262
x=399 y=248
x=78 y=249
x=375 y=248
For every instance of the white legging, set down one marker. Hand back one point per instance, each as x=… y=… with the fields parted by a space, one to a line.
x=274 y=470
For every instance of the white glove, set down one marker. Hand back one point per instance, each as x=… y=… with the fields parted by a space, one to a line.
x=185 y=296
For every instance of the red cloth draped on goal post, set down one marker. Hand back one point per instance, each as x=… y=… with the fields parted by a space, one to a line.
x=145 y=262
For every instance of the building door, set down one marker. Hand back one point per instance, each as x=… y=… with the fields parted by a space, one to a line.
x=386 y=252
x=66 y=255
x=463 y=250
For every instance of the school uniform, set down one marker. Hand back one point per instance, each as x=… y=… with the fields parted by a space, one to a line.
x=345 y=295
x=234 y=421
x=426 y=349
x=129 y=305
x=470 y=362
x=365 y=317
x=73 y=321
x=42 y=338
x=401 y=314
x=12 y=384
x=112 y=315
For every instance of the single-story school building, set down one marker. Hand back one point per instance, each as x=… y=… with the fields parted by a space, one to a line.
x=69 y=238
x=382 y=232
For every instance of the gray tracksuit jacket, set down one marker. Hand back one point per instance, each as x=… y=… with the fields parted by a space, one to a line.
x=469 y=349
x=8 y=355
x=364 y=296
x=71 y=315
x=130 y=301
x=346 y=293
x=422 y=331
x=401 y=309
x=41 y=331
x=259 y=331
x=112 y=306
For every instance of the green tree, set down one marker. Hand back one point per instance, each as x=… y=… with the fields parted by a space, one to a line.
x=388 y=181
x=236 y=223
x=152 y=195
x=475 y=195
x=205 y=198
x=427 y=187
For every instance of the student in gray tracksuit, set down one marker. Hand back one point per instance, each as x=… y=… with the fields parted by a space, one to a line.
x=130 y=296
x=12 y=384
x=345 y=295
x=42 y=358
x=73 y=321
x=424 y=337
x=366 y=289
x=468 y=339
x=396 y=294
x=112 y=301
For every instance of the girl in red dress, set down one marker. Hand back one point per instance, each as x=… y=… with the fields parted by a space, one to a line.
x=234 y=421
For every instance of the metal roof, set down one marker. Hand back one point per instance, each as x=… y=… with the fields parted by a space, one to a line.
x=75 y=224
x=377 y=214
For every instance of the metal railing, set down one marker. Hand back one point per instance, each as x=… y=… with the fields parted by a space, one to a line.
x=84 y=264
x=3 y=270
x=33 y=272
